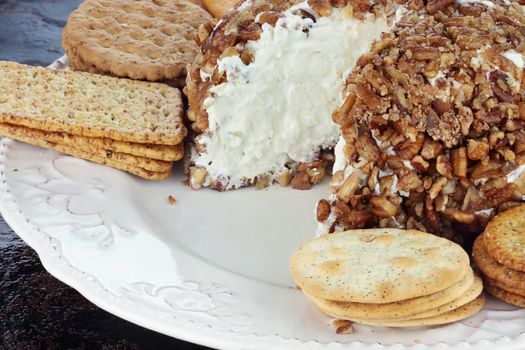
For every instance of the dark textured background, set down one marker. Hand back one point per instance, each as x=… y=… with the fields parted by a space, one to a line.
x=36 y=310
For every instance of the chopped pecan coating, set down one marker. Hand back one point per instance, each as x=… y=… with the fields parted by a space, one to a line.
x=446 y=109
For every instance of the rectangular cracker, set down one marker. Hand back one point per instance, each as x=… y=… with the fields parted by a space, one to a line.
x=158 y=152
x=22 y=133
x=90 y=105
x=141 y=172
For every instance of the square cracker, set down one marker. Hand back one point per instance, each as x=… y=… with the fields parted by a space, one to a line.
x=141 y=172
x=158 y=152
x=23 y=134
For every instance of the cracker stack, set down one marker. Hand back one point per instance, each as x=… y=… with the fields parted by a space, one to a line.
x=129 y=125
x=388 y=277
x=499 y=254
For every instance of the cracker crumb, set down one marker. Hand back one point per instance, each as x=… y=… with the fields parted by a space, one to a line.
x=172 y=200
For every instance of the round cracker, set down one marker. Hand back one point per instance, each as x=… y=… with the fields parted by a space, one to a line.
x=505 y=238
x=472 y=293
x=493 y=269
x=398 y=310
x=378 y=266
x=500 y=285
x=504 y=295
x=141 y=39
x=461 y=313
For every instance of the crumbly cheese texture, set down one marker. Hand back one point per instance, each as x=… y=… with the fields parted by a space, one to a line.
x=277 y=109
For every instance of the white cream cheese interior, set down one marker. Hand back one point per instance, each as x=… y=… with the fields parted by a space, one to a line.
x=278 y=108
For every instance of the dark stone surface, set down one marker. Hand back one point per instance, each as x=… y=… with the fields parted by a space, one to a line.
x=36 y=310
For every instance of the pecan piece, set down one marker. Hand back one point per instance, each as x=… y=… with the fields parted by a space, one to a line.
x=382 y=207
x=466 y=119
x=301 y=181
x=335 y=181
x=437 y=186
x=472 y=9
x=285 y=177
x=476 y=149
x=443 y=166
x=460 y=216
x=432 y=216
x=270 y=17
x=316 y=174
x=367 y=147
x=420 y=164
x=197 y=177
x=496 y=197
x=431 y=149
x=323 y=210
x=441 y=203
x=410 y=182
x=321 y=7
x=374 y=102
x=261 y=182
x=438 y=5
x=489 y=170
x=422 y=53
x=343 y=327
x=356 y=219
x=348 y=188
x=252 y=32
x=409 y=149
x=459 y=161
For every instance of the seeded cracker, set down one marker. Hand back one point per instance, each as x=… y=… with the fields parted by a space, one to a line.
x=506 y=296
x=493 y=269
x=26 y=134
x=378 y=266
x=458 y=314
x=400 y=309
x=154 y=152
x=345 y=311
x=141 y=172
x=505 y=238
x=90 y=105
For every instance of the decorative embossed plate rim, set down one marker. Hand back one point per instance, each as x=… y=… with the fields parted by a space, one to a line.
x=199 y=311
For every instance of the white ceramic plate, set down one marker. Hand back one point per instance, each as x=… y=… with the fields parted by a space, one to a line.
x=211 y=269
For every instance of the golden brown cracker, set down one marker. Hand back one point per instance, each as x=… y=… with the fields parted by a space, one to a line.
x=20 y=132
x=146 y=174
x=77 y=64
x=501 y=285
x=142 y=39
x=504 y=295
x=90 y=105
x=461 y=313
x=505 y=238
x=493 y=269
x=472 y=293
x=398 y=310
x=154 y=152
x=378 y=265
